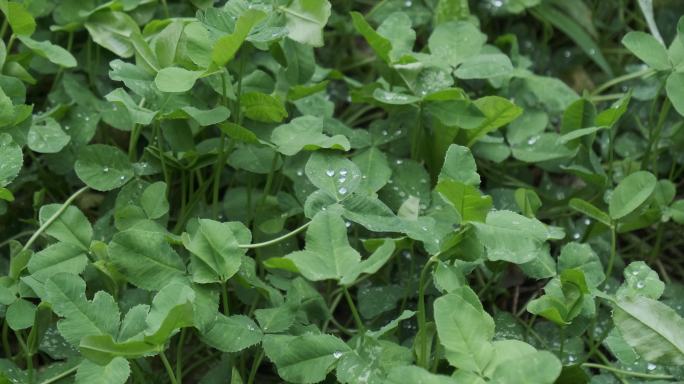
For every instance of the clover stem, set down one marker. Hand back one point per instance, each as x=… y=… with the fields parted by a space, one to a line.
x=167 y=365
x=651 y=376
x=54 y=217
x=613 y=251
x=255 y=366
x=422 y=322
x=160 y=144
x=179 y=355
x=621 y=79
x=276 y=240
x=357 y=319
x=224 y=298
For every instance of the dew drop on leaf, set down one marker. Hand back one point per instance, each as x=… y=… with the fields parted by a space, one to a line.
x=330 y=172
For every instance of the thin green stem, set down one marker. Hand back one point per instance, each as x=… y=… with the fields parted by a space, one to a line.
x=179 y=355
x=62 y=375
x=422 y=316
x=167 y=366
x=5 y=340
x=224 y=298
x=621 y=79
x=166 y=8
x=650 y=376
x=276 y=240
x=613 y=251
x=255 y=366
x=352 y=307
x=160 y=144
x=54 y=217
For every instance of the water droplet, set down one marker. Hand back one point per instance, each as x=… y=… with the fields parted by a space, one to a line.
x=122 y=178
x=587 y=221
x=398 y=132
x=330 y=172
x=497 y=3
x=532 y=139
x=342 y=190
x=408 y=3
x=300 y=172
x=406 y=254
x=347 y=224
x=342 y=180
x=66 y=128
x=106 y=169
x=634 y=273
x=640 y=285
x=571 y=358
x=384 y=133
x=343 y=172
x=576 y=236
x=337 y=354
x=651 y=366
x=399 y=161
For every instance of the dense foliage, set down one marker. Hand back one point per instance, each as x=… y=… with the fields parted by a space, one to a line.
x=395 y=191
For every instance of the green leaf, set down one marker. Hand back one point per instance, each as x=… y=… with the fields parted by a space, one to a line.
x=333 y=174
x=71 y=226
x=20 y=19
x=541 y=367
x=116 y=372
x=138 y=115
x=54 y=53
x=455 y=113
x=143 y=256
x=380 y=45
x=276 y=320
x=456 y=41
x=641 y=280
x=20 y=314
x=372 y=264
x=581 y=256
x=511 y=237
x=11 y=159
x=528 y=201
x=647 y=49
x=414 y=374
x=397 y=29
x=232 y=334
x=675 y=91
x=102 y=349
x=497 y=111
x=262 y=107
x=103 y=167
x=484 y=66
x=654 y=330
x=375 y=170
x=114 y=31
x=305 y=20
x=171 y=309
x=544 y=147
x=590 y=210
x=238 y=132
x=153 y=200
x=470 y=203
x=305 y=133
x=227 y=46
x=630 y=193
x=47 y=137
x=176 y=79
x=394 y=98
x=215 y=249
x=57 y=258
x=208 y=117
x=305 y=358
x=327 y=254
x=459 y=165
x=465 y=330
x=66 y=293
